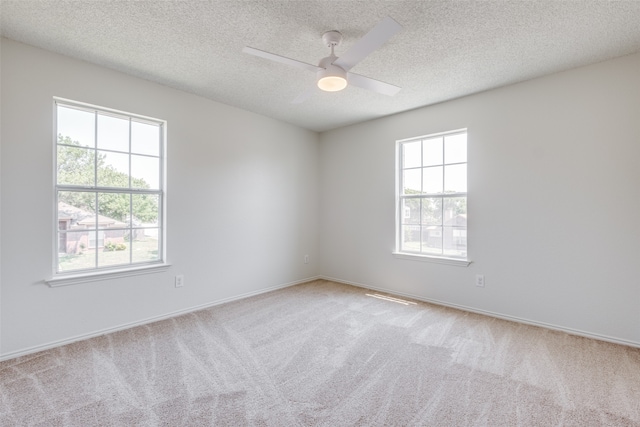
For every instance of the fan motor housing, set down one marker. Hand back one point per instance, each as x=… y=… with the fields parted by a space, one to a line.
x=332 y=38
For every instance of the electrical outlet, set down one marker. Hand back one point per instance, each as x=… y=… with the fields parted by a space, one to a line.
x=480 y=280
x=306 y=259
x=179 y=281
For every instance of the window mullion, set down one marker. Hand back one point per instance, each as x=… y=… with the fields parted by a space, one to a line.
x=131 y=228
x=442 y=202
x=130 y=183
x=131 y=200
x=95 y=148
x=89 y=189
x=96 y=230
x=421 y=192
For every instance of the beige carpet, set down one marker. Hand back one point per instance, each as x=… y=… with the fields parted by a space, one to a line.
x=326 y=354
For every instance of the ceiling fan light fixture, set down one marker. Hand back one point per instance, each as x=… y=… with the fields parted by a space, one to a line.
x=332 y=78
x=332 y=83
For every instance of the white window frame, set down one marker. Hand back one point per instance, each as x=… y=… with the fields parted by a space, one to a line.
x=400 y=212
x=62 y=278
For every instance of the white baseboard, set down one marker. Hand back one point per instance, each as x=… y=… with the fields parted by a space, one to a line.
x=571 y=331
x=148 y=320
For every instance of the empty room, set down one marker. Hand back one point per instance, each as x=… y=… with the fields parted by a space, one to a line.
x=319 y=213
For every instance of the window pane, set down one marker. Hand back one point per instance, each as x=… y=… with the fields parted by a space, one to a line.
x=76 y=165
x=145 y=172
x=74 y=252
x=455 y=211
x=432 y=211
x=411 y=154
x=410 y=238
x=455 y=148
x=432 y=180
x=113 y=169
x=72 y=242
x=145 y=138
x=432 y=240
x=146 y=209
x=114 y=251
x=75 y=126
x=113 y=133
x=411 y=211
x=411 y=181
x=455 y=179
x=455 y=229
x=145 y=245
x=76 y=210
x=96 y=239
x=432 y=152
x=114 y=210
x=455 y=241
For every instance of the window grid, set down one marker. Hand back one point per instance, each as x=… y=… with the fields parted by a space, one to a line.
x=114 y=239
x=419 y=234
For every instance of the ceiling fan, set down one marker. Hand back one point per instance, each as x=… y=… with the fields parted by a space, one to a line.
x=333 y=72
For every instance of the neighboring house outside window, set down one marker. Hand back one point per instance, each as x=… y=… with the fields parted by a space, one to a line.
x=432 y=195
x=109 y=188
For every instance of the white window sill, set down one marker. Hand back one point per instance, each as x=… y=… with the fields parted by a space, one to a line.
x=436 y=259
x=75 y=279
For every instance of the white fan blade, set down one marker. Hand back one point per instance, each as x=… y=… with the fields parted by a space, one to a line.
x=281 y=59
x=372 y=84
x=304 y=95
x=367 y=44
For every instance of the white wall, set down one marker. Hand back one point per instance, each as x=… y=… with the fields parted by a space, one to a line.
x=242 y=202
x=554 y=202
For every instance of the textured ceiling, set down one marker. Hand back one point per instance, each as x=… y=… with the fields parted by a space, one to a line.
x=445 y=50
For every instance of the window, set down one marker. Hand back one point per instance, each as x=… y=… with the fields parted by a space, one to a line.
x=432 y=195
x=109 y=190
